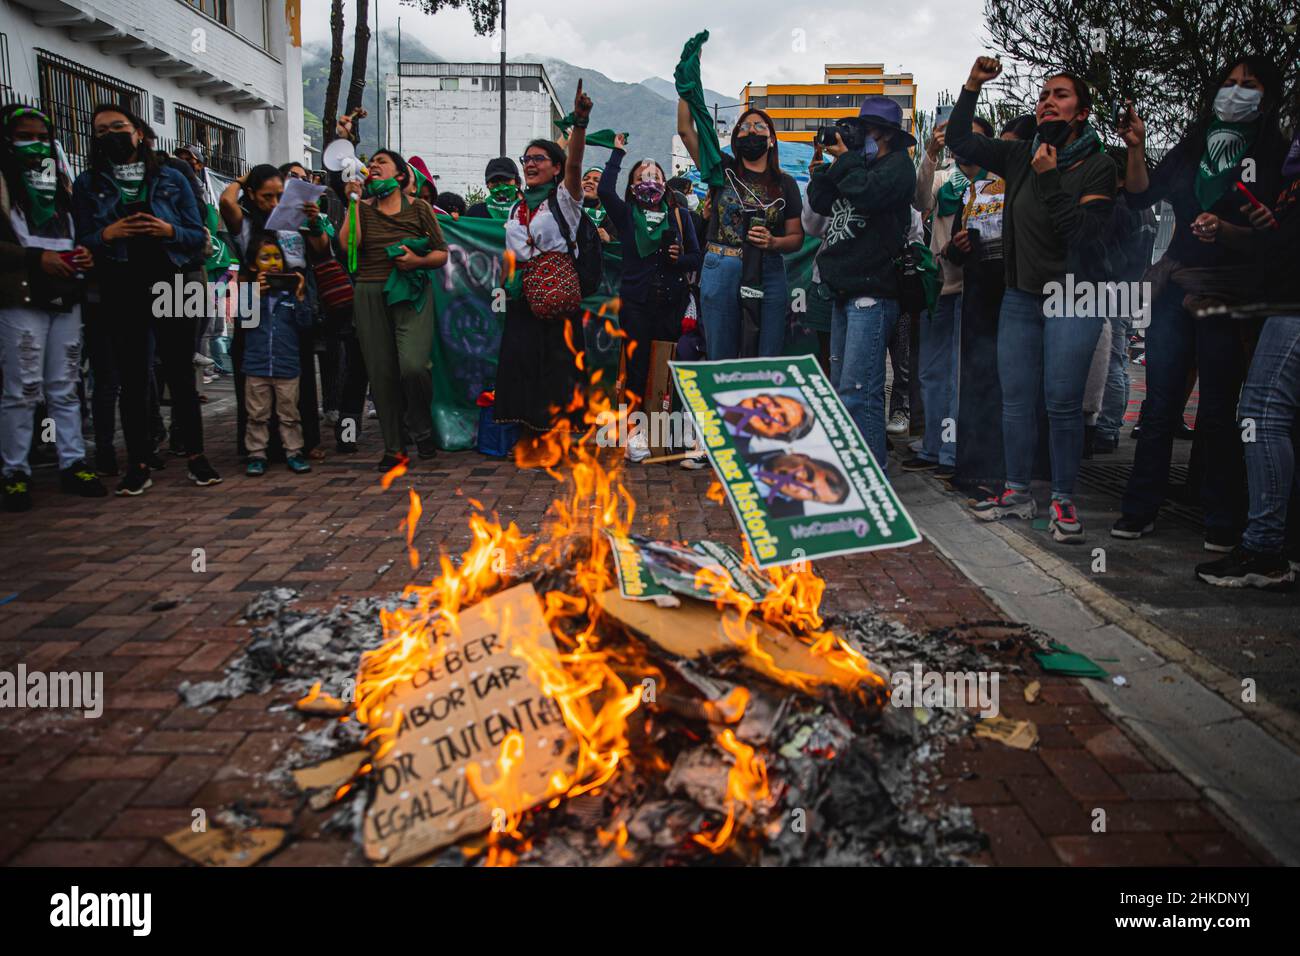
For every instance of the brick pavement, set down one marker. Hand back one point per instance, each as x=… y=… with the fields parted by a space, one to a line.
x=109 y=586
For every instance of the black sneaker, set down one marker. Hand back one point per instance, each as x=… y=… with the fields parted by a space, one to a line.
x=156 y=461
x=18 y=491
x=134 y=482
x=78 y=479
x=106 y=463
x=944 y=473
x=1184 y=432
x=426 y=448
x=917 y=463
x=1104 y=445
x=1243 y=568
x=1221 y=542
x=1009 y=504
x=1130 y=528
x=202 y=473
x=389 y=462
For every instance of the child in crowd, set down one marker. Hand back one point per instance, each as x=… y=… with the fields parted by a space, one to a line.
x=271 y=363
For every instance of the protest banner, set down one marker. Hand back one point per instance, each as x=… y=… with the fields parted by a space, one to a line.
x=797 y=471
x=649 y=570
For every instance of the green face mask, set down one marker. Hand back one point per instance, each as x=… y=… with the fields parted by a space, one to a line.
x=380 y=187
x=33 y=149
x=504 y=192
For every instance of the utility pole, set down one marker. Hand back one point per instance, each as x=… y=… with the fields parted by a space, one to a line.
x=382 y=112
x=399 y=84
x=503 y=78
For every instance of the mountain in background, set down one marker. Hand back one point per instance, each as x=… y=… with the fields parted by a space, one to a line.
x=646 y=110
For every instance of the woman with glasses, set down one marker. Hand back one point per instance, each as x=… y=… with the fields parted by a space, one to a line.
x=757 y=206
x=41 y=284
x=537 y=367
x=139 y=219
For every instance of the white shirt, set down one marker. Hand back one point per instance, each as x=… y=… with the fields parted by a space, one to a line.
x=542 y=228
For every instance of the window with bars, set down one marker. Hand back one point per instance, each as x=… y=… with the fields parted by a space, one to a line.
x=222 y=142
x=69 y=94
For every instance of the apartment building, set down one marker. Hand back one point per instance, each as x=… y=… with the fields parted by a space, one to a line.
x=798 y=109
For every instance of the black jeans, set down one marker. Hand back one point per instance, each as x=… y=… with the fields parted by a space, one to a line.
x=127 y=319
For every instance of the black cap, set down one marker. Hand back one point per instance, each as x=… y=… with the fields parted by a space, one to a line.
x=501 y=167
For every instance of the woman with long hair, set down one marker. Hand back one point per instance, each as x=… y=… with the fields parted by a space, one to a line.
x=757 y=206
x=41 y=285
x=1060 y=189
x=395 y=240
x=659 y=250
x=1205 y=178
x=537 y=372
x=139 y=219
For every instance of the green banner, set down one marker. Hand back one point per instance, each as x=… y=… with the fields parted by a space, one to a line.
x=469 y=306
x=650 y=570
x=797 y=471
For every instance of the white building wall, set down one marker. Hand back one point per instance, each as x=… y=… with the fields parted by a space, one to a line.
x=262 y=60
x=456 y=132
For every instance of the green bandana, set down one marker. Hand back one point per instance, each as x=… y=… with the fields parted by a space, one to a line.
x=41 y=184
x=1225 y=145
x=650 y=226
x=501 y=198
x=379 y=188
x=596 y=214
x=407 y=285
x=130 y=181
x=948 y=199
x=534 y=196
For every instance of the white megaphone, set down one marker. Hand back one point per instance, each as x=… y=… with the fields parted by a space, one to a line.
x=340 y=156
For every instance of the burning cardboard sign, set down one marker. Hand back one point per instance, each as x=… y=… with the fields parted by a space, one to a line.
x=455 y=714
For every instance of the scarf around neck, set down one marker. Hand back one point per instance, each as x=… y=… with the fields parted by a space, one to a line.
x=649 y=227
x=1087 y=143
x=130 y=181
x=534 y=196
x=41 y=185
x=500 y=208
x=949 y=198
x=1225 y=145
x=379 y=188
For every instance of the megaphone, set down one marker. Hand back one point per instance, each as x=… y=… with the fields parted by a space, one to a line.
x=340 y=156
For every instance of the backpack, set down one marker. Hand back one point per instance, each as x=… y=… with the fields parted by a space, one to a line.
x=589 y=258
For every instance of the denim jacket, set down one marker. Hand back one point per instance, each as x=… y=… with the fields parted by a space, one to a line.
x=271 y=348
x=95 y=206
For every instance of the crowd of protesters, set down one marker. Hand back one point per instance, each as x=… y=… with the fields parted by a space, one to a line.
x=955 y=261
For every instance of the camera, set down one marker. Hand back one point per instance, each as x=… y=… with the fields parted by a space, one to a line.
x=851 y=131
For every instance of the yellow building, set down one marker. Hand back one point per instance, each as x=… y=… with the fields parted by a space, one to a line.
x=798 y=109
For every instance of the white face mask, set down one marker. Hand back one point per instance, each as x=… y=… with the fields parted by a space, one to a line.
x=1237 y=104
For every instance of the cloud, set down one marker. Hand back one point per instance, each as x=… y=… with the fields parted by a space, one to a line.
x=750 y=40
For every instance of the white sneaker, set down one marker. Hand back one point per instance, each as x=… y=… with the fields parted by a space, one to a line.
x=899 y=424
x=695 y=461
x=638 y=449
x=202 y=360
x=370 y=410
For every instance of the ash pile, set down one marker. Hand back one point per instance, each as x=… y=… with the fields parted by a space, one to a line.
x=732 y=754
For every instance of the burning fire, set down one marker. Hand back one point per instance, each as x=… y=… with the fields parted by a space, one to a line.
x=583 y=676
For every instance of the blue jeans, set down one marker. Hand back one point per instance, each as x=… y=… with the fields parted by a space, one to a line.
x=1271 y=398
x=40 y=356
x=937 y=370
x=1175 y=340
x=859 y=341
x=1114 y=403
x=1042 y=358
x=720 y=305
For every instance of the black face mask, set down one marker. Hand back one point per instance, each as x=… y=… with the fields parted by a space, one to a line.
x=1054 y=132
x=118 y=147
x=751 y=146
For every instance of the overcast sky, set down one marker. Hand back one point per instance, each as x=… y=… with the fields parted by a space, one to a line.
x=750 y=40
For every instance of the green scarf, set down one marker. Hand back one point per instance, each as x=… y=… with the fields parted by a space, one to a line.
x=534 y=196
x=691 y=88
x=649 y=234
x=600 y=137
x=1087 y=143
x=130 y=182
x=948 y=199
x=1225 y=145
x=501 y=199
x=41 y=187
x=407 y=285
x=379 y=188
x=596 y=214
x=221 y=259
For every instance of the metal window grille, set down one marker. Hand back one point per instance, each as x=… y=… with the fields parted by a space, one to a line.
x=69 y=94
x=222 y=142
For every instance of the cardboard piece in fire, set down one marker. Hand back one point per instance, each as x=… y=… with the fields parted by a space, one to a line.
x=455 y=714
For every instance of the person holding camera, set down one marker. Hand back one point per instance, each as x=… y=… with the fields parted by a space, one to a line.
x=756 y=210
x=1060 y=190
x=866 y=194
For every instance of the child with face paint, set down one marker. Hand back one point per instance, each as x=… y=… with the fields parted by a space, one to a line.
x=270 y=357
x=660 y=249
x=1237 y=131
x=40 y=307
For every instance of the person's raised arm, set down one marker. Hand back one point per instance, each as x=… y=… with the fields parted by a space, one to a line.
x=577 y=144
x=228 y=203
x=686 y=130
x=607 y=188
x=992 y=154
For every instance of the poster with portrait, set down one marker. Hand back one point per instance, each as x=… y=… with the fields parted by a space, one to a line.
x=795 y=467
